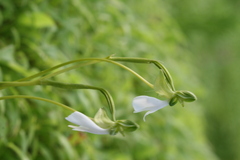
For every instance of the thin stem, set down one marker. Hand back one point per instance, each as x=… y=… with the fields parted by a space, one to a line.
x=101 y=59
x=81 y=86
x=130 y=70
x=47 y=70
x=86 y=59
x=65 y=86
x=17 y=84
x=66 y=69
x=144 y=60
x=38 y=98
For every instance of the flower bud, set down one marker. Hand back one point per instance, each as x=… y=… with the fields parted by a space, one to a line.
x=123 y=126
x=186 y=96
x=173 y=100
x=128 y=126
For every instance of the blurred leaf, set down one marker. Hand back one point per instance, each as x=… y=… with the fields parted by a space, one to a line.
x=36 y=19
x=18 y=151
x=66 y=145
x=6 y=54
x=45 y=152
x=3 y=128
x=7 y=58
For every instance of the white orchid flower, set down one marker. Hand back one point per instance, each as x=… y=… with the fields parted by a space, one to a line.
x=85 y=124
x=146 y=103
x=100 y=124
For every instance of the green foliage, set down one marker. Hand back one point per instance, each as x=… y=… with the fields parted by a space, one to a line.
x=212 y=27
x=36 y=35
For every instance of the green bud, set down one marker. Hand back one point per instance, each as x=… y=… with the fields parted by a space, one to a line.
x=181 y=102
x=123 y=126
x=113 y=131
x=186 y=96
x=173 y=101
x=128 y=126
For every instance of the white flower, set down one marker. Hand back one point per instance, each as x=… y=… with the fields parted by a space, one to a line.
x=146 y=103
x=85 y=124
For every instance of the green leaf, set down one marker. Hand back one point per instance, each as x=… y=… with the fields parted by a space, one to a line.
x=66 y=145
x=36 y=19
x=18 y=151
x=3 y=128
x=7 y=58
x=6 y=54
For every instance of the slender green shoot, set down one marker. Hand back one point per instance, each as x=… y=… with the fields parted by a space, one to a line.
x=38 y=98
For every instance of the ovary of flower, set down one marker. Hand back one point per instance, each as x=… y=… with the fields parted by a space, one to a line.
x=85 y=124
x=146 y=103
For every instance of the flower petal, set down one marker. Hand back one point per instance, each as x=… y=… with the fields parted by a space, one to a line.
x=149 y=112
x=146 y=103
x=150 y=104
x=85 y=124
x=84 y=129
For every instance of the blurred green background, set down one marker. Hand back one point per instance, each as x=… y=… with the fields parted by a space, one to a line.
x=198 y=41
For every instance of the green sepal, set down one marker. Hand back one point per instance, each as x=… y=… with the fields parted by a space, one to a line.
x=128 y=126
x=123 y=126
x=173 y=101
x=186 y=96
x=101 y=118
x=181 y=102
x=113 y=131
x=162 y=87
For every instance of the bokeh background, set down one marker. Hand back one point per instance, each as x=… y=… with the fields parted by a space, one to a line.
x=198 y=41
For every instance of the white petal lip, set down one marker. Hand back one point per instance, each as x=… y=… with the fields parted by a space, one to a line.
x=146 y=103
x=85 y=124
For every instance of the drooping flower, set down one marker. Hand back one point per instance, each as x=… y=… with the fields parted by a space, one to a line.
x=164 y=88
x=85 y=124
x=100 y=124
x=146 y=103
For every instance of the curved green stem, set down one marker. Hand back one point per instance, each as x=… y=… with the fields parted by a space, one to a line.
x=84 y=59
x=38 y=98
x=65 y=86
x=95 y=60
x=49 y=70
x=81 y=86
x=144 y=60
x=66 y=69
